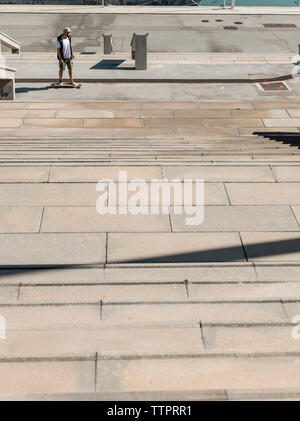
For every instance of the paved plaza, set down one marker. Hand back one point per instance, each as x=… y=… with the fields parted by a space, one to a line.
x=145 y=306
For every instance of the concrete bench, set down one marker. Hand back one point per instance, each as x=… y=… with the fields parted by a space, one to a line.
x=7 y=88
x=7 y=74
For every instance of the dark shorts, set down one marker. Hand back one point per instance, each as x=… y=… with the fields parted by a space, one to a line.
x=66 y=62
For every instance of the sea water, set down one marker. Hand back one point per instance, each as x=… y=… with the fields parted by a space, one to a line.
x=288 y=3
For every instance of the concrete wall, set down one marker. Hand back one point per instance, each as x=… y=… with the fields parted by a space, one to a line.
x=167 y=33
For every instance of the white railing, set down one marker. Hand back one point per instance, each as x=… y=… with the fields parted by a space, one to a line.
x=232 y=4
x=10 y=43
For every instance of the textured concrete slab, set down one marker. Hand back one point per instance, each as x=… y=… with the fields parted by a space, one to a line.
x=94 y=174
x=47 y=377
x=247 y=131
x=219 y=312
x=24 y=174
x=105 y=133
x=93 y=293
x=11 y=122
x=264 y=193
x=87 y=219
x=214 y=113
x=287 y=174
x=263 y=105
x=244 y=291
x=281 y=122
x=221 y=173
x=20 y=219
x=53 y=123
x=276 y=246
x=52 y=249
x=240 y=218
x=8 y=105
x=272 y=272
x=277 y=113
x=234 y=122
x=166 y=273
x=112 y=339
x=20 y=317
x=117 y=123
x=258 y=338
x=294 y=113
x=48 y=194
x=157 y=91
x=211 y=395
x=214 y=194
x=20 y=114
x=47 y=105
x=175 y=105
x=198 y=122
x=198 y=373
x=118 y=114
x=83 y=113
x=232 y=105
x=162 y=68
x=8 y=294
x=292 y=310
x=52 y=276
x=171 y=105
x=205 y=131
x=109 y=105
x=296 y=211
x=171 y=248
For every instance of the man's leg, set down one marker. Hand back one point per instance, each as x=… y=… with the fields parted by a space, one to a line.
x=71 y=76
x=70 y=68
x=61 y=72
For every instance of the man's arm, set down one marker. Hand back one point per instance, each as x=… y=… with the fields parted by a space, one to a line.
x=59 y=54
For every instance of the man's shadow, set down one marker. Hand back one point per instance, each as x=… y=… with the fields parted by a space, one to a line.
x=25 y=90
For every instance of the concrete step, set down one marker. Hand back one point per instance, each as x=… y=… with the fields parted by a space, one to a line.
x=91 y=345
x=273 y=394
x=137 y=313
x=88 y=299
x=90 y=292
x=88 y=373
x=145 y=146
x=142 y=340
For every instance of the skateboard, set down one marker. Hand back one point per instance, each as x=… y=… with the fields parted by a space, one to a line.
x=66 y=85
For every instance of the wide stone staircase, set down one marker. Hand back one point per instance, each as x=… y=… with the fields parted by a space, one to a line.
x=145 y=306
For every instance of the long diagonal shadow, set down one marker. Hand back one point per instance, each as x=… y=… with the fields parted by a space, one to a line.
x=224 y=254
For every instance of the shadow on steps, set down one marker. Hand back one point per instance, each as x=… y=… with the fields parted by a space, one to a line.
x=288 y=138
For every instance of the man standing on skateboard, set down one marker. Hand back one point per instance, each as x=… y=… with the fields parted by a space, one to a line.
x=65 y=55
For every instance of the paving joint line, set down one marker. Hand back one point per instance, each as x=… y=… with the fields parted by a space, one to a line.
x=96 y=371
x=18 y=291
x=284 y=309
x=272 y=171
x=41 y=221
x=293 y=212
x=202 y=335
